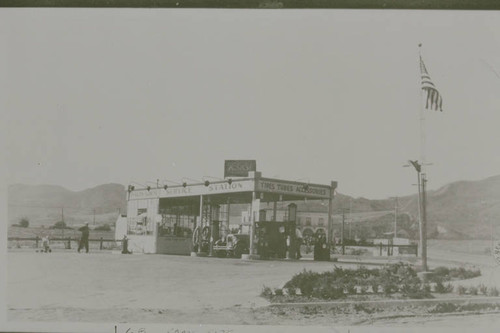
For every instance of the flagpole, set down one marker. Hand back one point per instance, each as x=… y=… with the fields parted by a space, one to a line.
x=422 y=120
x=421 y=202
x=434 y=101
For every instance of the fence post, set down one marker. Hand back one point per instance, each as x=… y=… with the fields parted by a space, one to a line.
x=380 y=249
x=100 y=245
x=36 y=242
x=69 y=243
x=416 y=250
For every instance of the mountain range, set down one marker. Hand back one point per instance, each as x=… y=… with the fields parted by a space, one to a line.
x=459 y=210
x=44 y=205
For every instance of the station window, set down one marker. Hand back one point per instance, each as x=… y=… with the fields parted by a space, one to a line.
x=308 y=221
x=321 y=222
x=142 y=211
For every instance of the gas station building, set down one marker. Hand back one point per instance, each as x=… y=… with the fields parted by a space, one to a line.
x=176 y=219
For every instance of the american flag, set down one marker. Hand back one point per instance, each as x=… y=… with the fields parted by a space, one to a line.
x=434 y=101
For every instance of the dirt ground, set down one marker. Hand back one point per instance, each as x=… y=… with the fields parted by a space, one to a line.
x=105 y=287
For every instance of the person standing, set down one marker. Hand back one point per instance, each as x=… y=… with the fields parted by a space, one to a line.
x=84 y=241
x=298 y=243
x=46 y=244
x=125 y=245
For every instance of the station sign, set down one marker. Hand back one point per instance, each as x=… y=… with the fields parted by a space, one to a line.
x=239 y=168
x=236 y=186
x=293 y=188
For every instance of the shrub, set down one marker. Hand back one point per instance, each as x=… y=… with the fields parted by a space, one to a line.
x=483 y=289
x=351 y=288
x=461 y=290
x=305 y=281
x=439 y=288
x=411 y=285
x=363 y=289
x=266 y=292
x=420 y=294
x=24 y=222
x=443 y=289
x=59 y=225
x=463 y=274
x=426 y=288
x=493 y=292
x=473 y=290
x=389 y=288
x=326 y=291
x=450 y=307
x=441 y=271
x=443 y=308
x=374 y=283
x=400 y=275
x=448 y=288
x=340 y=282
x=363 y=308
x=441 y=274
x=278 y=291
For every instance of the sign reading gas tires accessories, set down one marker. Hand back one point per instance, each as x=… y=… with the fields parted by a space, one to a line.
x=239 y=168
x=293 y=188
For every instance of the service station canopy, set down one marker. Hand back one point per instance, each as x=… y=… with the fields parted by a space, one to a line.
x=267 y=190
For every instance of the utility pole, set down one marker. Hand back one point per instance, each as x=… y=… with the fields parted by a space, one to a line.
x=396 y=219
x=421 y=213
x=342 y=232
x=350 y=218
x=330 y=239
x=94 y=217
x=424 y=223
x=62 y=219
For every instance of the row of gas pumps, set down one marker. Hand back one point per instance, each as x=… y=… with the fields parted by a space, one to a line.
x=271 y=239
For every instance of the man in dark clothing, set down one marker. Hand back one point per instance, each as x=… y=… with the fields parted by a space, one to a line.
x=125 y=245
x=84 y=241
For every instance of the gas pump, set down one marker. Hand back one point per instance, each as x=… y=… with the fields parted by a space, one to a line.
x=271 y=239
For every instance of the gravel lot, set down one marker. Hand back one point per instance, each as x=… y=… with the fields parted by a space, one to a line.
x=106 y=287
x=69 y=283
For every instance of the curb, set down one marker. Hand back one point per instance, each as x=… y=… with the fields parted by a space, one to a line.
x=394 y=303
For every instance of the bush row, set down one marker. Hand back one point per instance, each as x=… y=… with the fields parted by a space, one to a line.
x=391 y=279
x=338 y=283
x=476 y=290
x=442 y=274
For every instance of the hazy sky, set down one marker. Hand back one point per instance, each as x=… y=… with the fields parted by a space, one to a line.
x=108 y=95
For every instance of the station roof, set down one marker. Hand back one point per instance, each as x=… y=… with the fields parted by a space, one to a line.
x=237 y=190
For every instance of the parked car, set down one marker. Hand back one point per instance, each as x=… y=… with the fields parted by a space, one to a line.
x=233 y=245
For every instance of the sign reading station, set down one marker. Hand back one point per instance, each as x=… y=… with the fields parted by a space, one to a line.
x=239 y=168
x=293 y=188
x=195 y=189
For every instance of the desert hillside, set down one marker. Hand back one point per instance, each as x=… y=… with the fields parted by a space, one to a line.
x=44 y=205
x=463 y=209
